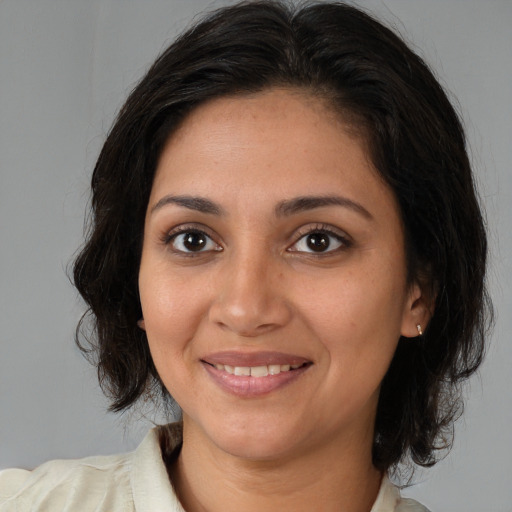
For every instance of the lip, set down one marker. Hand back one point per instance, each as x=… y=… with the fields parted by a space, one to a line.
x=253 y=387
x=233 y=358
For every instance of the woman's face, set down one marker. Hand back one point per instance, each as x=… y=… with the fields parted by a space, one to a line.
x=273 y=276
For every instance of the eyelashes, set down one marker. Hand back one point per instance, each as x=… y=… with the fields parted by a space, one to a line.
x=315 y=240
x=320 y=239
x=193 y=241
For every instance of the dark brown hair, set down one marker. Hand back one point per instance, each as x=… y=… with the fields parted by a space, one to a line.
x=416 y=142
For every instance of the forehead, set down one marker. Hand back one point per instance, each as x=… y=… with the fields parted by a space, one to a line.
x=277 y=124
x=273 y=105
x=249 y=156
x=272 y=145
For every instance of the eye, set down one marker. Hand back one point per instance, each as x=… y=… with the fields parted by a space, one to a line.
x=320 y=241
x=192 y=240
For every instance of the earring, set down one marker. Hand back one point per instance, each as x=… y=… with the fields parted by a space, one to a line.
x=420 y=332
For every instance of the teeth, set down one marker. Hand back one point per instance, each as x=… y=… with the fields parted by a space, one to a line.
x=274 y=369
x=257 y=371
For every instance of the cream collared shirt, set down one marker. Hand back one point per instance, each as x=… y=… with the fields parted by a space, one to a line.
x=133 y=482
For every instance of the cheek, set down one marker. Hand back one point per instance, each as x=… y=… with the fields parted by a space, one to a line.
x=171 y=311
x=168 y=323
x=358 y=318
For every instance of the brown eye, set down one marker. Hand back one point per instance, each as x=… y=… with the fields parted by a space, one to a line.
x=193 y=241
x=318 y=242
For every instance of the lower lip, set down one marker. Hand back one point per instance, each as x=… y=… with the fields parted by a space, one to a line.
x=247 y=386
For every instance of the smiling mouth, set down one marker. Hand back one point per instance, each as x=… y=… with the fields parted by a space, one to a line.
x=253 y=375
x=257 y=371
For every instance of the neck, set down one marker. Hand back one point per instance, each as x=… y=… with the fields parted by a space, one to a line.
x=338 y=475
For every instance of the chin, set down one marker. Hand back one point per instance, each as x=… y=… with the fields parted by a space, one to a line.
x=254 y=439
x=256 y=448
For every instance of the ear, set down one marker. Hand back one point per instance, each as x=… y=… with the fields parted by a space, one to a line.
x=417 y=312
x=141 y=324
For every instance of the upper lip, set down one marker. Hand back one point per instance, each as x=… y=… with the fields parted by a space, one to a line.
x=233 y=358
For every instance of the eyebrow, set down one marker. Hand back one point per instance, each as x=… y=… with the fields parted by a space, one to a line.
x=283 y=209
x=305 y=203
x=199 y=204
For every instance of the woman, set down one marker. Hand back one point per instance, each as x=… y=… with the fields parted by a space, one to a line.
x=286 y=241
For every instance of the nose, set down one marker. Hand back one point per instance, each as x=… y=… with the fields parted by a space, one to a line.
x=250 y=298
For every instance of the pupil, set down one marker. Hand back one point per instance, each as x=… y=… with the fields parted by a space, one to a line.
x=318 y=242
x=194 y=241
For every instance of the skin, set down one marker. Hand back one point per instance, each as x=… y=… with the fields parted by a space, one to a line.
x=258 y=286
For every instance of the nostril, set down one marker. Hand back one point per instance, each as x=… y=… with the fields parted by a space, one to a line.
x=248 y=310
x=251 y=332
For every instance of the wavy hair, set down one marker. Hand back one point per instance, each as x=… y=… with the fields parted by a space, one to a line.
x=368 y=75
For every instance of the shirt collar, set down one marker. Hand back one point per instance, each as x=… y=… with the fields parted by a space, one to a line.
x=153 y=492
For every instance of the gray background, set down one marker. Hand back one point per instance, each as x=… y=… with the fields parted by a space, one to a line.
x=65 y=68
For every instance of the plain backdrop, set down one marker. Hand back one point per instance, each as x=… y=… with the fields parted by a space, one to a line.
x=65 y=68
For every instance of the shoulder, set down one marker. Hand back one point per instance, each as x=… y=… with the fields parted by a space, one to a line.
x=114 y=483
x=410 y=505
x=389 y=499
x=92 y=483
